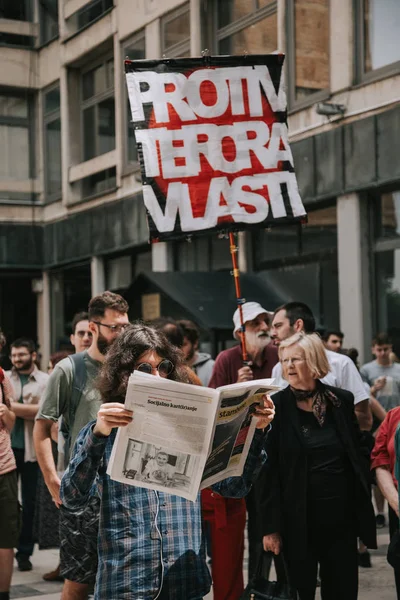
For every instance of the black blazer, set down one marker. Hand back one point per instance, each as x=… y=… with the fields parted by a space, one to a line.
x=281 y=487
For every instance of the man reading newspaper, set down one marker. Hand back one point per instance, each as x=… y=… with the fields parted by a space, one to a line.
x=150 y=543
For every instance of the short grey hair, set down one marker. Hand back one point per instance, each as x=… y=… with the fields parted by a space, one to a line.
x=314 y=351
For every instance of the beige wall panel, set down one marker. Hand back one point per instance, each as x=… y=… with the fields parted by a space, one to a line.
x=49 y=64
x=360 y=102
x=135 y=14
x=79 y=45
x=19 y=68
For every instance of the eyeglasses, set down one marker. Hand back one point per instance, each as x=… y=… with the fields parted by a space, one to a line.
x=164 y=368
x=294 y=360
x=113 y=328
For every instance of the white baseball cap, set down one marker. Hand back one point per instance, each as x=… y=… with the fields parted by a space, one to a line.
x=251 y=310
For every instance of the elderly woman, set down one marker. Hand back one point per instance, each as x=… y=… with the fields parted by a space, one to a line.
x=314 y=493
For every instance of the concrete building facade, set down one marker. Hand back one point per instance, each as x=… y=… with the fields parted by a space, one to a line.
x=72 y=221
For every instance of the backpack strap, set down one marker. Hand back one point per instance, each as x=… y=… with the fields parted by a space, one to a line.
x=78 y=382
x=79 y=377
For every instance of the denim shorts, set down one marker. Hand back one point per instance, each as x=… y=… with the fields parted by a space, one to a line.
x=78 y=542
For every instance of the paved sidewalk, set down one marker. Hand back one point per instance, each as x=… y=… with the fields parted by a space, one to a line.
x=375 y=584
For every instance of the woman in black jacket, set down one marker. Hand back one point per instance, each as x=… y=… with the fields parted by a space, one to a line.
x=314 y=493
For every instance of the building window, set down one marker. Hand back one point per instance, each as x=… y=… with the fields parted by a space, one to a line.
x=134 y=49
x=295 y=242
x=48 y=16
x=52 y=132
x=301 y=262
x=244 y=26
x=15 y=138
x=98 y=110
x=386 y=219
x=377 y=38
x=175 y=32
x=308 y=50
x=16 y=10
x=99 y=183
x=88 y=14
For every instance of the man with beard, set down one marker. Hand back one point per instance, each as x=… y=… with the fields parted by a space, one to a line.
x=72 y=394
x=295 y=317
x=28 y=385
x=263 y=355
x=227 y=516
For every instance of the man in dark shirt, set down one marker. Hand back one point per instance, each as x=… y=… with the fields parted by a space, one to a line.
x=228 y=368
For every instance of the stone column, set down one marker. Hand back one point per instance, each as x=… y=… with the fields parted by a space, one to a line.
x=354 y=280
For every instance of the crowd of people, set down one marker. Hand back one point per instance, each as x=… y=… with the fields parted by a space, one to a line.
x=321 y=444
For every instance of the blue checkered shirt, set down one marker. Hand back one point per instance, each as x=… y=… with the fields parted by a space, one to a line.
x=147 y=540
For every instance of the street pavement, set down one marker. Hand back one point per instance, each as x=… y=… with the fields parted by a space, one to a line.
x=375 y=584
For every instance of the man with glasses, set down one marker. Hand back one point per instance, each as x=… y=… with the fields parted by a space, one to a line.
x=28 y=385
x=72 y=394
x=81 y=336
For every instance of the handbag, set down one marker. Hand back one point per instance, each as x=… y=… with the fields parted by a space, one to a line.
x=260 y=588
x=393 y=553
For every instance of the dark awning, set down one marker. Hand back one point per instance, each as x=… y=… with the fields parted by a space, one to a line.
x=208 y=298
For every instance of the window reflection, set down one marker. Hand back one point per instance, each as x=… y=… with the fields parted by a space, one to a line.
x=390 y=214
x=311 y=46
x=381 y=33
x=260 y=38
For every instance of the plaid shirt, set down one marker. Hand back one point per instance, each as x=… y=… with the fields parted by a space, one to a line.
x=147 y=540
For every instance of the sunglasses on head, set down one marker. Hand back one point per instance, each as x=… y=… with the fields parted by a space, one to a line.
x=164 y=368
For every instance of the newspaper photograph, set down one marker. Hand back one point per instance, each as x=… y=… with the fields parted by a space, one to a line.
x=184 y=437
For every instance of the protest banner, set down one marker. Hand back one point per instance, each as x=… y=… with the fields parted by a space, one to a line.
x=213 y=144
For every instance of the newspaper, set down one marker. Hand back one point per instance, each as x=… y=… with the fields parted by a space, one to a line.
x=184 y=437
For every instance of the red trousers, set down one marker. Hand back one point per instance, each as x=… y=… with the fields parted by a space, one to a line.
x=227 y=519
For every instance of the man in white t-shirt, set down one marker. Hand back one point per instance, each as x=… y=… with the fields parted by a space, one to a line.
x=296 y=316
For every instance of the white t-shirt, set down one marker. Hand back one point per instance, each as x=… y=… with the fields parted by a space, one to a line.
x=343 y=374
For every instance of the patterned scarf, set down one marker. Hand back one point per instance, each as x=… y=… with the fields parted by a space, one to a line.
x=321 y=396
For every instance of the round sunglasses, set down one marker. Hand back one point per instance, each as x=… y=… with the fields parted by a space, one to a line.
x=164 y=368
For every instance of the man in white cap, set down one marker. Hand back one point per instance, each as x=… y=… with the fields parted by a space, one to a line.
x=229 y=515
x=262 y=354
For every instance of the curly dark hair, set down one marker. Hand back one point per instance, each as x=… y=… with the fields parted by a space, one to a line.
x=123 y=356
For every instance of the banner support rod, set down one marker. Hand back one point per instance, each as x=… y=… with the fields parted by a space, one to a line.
x=240 y=301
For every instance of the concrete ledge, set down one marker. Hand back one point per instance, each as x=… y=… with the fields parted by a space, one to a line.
x=92 y=166
x=81 y=43
x=72 y=6
x=29 y=186
x=19 y=27
x=19 y=68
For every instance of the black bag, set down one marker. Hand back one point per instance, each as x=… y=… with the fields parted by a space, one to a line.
x=260 y=588
x=393 y=553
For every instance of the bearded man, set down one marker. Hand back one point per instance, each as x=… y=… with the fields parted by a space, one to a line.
x=262 y=354
x=28 y=384
x=72 y=393
x=225 y=516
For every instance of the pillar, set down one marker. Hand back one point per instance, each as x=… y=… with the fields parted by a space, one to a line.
x=354 y=280
x=97 y=275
